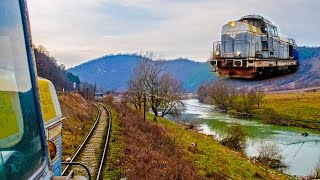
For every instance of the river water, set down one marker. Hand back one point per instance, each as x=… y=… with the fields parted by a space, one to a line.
x=301 y=154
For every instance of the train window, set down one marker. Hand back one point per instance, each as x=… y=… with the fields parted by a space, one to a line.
x=21 y=152
x=275 y=31
x=271 y=31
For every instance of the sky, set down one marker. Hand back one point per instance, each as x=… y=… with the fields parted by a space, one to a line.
x=75 y=31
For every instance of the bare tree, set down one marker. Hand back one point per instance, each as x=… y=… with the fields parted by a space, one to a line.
x=223 y=94
x=245 y=101
x=136 y=87
x=171 y=91
x=258 y=96
x=203 y=93
x=163 y=91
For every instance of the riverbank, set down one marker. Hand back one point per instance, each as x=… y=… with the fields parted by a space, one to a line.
x=214 y=160
x=301 y=109
x=300 y=153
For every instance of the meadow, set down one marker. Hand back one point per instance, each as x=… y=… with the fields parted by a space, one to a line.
x=296 y=108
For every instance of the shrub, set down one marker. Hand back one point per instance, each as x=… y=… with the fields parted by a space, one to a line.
x=270 y=154
x=108 y=99
x=235 y=138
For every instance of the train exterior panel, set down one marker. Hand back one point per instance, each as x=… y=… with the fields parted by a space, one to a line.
x=251 y=47
x=52 y=119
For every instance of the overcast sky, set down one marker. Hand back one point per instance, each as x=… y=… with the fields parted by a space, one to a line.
x=75 y=31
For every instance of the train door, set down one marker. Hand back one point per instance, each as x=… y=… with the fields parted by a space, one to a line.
x=276 y=42
x=273 y=41
x=270 y=37
x=22 y=140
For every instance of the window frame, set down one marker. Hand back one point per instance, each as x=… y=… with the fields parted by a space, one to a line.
x=33 y=75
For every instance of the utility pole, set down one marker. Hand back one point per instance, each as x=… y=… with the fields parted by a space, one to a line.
x=144 y=106
x=87 y=93
x=95 y=87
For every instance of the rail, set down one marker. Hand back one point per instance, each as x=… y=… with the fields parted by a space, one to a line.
x=84 y=142
x=105 y=149
x=105 y=144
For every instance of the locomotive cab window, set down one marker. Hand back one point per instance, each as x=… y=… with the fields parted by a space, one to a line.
x=275 y=31
x=20 y=137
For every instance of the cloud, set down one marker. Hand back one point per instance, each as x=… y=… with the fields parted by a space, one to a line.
x=79 y=30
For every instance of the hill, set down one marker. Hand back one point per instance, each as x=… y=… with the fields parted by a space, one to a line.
x=113 y=71
x=48 y=68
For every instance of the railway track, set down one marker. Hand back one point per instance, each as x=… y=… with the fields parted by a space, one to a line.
x=92 y=151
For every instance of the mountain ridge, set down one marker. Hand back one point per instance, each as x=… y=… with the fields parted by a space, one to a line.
x=111 y=72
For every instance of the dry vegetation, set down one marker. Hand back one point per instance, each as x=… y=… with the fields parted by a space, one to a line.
x=148 y=152
x=80 y=116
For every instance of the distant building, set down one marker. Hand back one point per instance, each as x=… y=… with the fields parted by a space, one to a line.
x=98 y=95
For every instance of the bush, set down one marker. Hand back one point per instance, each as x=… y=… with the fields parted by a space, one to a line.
x=270 y=154
x=108 y=99
x=235 y=138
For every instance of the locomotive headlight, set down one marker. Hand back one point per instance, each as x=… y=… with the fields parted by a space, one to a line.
x=232 y=24
x=238 y=53
x=52 y=148
x=217 y=53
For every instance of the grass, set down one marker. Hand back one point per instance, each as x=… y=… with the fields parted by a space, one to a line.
x=214 y=160
x=113 y=167
x=302 y=108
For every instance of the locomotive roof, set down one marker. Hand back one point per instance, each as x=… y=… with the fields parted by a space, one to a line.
x=255 y=16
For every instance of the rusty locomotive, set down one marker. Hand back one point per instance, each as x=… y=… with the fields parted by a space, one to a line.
x=251 y=47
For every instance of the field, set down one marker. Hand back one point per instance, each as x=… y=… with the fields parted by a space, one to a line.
x=301 y=108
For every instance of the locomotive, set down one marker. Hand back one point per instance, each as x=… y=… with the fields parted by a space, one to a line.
x=251 y=47
x=30 y=114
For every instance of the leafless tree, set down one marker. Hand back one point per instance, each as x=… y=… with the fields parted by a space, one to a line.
x=245 y=102
x=203 y=93
x=223 y=94
x=258 y=96
x=162 y=90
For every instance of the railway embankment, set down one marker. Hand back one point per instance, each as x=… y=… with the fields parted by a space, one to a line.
x=80 y=116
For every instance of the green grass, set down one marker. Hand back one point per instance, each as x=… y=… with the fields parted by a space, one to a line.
x=212 y=159
x=113 y=168
x=301 y=109
x=305 y=106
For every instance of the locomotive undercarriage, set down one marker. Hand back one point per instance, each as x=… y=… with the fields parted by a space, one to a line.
x=253 y=68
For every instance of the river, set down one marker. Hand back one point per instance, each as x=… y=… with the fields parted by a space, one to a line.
x=301 y=154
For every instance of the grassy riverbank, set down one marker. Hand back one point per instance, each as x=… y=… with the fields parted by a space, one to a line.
x=213 y=160
x=293 y=109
